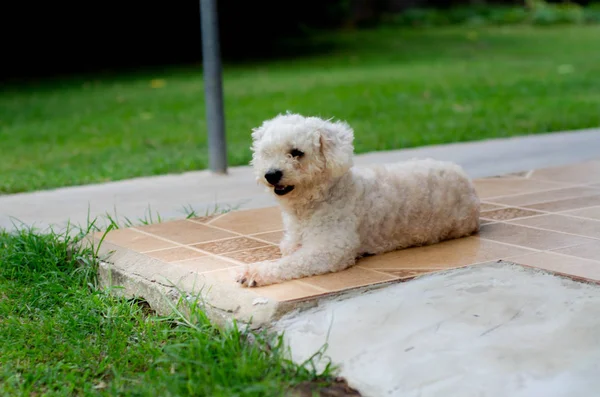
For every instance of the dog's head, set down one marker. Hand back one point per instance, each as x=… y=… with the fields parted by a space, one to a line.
x=293 y=154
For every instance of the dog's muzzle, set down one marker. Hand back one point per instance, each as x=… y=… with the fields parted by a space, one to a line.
x=282 y=190
x=273 y=177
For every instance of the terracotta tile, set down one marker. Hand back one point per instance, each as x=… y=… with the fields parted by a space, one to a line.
x=562 y=223
x=567 y=204
x=591 y=212
x=586 y=251
x=493 y=187
x=174 y=254
x=445 y=255
x=347 y=279
x=289 y=291
x=230 y=245
x=526 y=200
x=489 y=206
x=528 y=237
x=251 y=221
x=565 y=265
x=186 y=232
x=273 y=237
x=508 y=213
x=204 y=264
x=134 y=240
x=588 y=172
x=256 y=255
x=224 y=276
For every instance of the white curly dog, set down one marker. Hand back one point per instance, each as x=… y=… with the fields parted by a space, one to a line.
x=334 y=213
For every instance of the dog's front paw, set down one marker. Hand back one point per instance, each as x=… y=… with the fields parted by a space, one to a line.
x=251 y=276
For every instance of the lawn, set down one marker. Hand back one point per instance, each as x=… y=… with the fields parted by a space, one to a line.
x=60 y=335
x=397 y=87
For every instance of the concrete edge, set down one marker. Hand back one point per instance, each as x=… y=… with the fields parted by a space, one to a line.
x=132 y=274
x=129 y=274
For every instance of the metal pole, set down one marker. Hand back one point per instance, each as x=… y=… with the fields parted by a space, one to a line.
x=213 y=88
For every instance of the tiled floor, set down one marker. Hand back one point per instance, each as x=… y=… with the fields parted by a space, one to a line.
x=547 y=218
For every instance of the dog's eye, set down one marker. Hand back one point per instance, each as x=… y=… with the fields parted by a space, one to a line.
x=297 y=153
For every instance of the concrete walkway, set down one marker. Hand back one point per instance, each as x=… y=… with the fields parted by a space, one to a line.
x=494 y=330
x=168 y=194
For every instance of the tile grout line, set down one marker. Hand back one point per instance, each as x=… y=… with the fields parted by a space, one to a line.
x=264 y=244
x=509 y=244
x=501 y=206
x=379 y=272
x=549 y=230
x=215 y=218
x=577 y=209
x=190 y=246
x=517 y=207
x=511 y=219
x=307 y=284
x=274 y=231
x=576 y=216
x=544 y=202
x=542 y=212
x=557 y=231
x=562 y=186
x=570 y=209
x=572 y=256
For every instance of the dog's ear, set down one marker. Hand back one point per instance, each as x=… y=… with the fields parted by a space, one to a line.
x=336 y=145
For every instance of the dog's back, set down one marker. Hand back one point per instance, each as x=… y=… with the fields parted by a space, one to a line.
x=413 y=203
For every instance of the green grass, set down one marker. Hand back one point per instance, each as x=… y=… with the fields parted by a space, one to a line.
x=61 y=335
x=397 y=87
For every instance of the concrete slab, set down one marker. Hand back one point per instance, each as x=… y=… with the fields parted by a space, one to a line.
x=168 y=194
x=492 y=330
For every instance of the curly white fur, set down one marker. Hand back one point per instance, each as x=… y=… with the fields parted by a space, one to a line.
x=334 y=213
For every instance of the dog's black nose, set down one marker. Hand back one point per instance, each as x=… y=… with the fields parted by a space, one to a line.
x=273 y=176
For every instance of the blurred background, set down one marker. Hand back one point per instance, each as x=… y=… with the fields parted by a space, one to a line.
x=95 y=92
